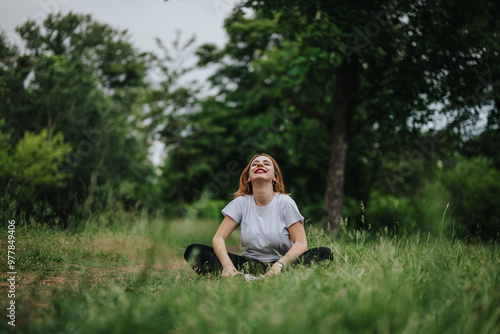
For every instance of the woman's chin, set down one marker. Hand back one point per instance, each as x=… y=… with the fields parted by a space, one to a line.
x=261 y=179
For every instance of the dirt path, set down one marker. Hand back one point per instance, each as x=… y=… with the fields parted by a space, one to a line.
x=27 y=282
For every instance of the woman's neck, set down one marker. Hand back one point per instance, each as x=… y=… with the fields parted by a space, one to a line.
x=263 y=193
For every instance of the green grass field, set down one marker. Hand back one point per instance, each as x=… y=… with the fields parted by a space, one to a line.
x=132 y=279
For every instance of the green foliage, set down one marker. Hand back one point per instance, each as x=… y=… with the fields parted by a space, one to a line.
x=84 y=80
x=394 y=212
x=36 y=159
x=486 y=144
x=277 y=88
x=474 y=187
x=5 y=160
x=455 y=197
x=289 y=58
x=33 y=163
x=432 y=202
x=206 y=207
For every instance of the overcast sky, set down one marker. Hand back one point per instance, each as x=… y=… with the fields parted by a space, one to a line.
x=144 y=19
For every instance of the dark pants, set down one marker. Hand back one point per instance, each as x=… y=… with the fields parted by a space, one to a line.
x=204 y=261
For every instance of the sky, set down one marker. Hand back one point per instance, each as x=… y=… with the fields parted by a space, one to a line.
x=145 y=20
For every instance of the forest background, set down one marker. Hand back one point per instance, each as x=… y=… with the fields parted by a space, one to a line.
x=394 y=105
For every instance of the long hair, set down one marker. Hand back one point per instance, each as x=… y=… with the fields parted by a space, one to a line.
x=245 y=187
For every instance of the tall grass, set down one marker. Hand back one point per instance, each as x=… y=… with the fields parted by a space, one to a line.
x=129 y=277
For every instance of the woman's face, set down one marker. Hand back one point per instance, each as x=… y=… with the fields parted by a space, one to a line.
x=262 y=168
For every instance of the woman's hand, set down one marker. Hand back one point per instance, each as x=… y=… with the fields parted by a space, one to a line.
x=229 y=272
x=274 y=270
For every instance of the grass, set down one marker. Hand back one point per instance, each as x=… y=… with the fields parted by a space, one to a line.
x=131 y=278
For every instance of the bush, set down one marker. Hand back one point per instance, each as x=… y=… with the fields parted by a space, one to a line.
x=474 y=186
x=27 y=171
x=206 y=207
x=394 y=212
x=34 y=162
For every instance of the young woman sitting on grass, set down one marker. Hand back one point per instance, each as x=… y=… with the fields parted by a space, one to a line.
x=272 y=228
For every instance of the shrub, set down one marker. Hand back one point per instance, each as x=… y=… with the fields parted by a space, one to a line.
x=474 y=186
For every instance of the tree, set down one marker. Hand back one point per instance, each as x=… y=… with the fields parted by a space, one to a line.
x=361 y=65
x=85 y=80
x=170 y=104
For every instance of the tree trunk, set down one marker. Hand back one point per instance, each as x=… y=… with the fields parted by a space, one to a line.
x=340 y=124
x=334 y=193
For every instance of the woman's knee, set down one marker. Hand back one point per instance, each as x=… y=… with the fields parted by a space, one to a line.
x=193 y=251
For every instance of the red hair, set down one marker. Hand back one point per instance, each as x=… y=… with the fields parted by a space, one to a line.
x=245 y=187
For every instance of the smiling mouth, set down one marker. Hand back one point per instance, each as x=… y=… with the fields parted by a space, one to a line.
x=259 y=170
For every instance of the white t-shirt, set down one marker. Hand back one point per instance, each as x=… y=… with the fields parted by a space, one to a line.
x=264 y=229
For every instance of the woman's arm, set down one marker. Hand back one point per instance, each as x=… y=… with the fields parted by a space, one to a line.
x=219 y=244
x=298 y=235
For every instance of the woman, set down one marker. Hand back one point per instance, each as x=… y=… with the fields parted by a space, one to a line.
x=272 y=228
